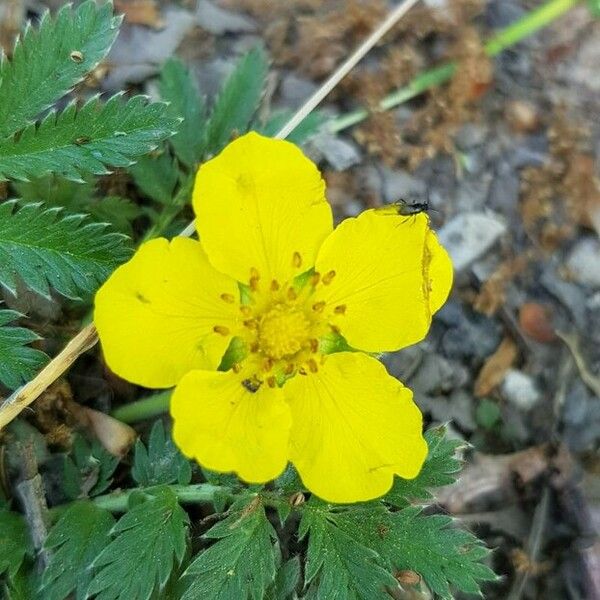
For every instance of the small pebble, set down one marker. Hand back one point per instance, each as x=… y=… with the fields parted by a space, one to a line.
x=583 y=262
x=520 y=390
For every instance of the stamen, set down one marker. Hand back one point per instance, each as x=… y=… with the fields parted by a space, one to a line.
x=245 y=310
x=302 y=371
x=221 y=330
x=289 y=369
x=251 y=323
x=314 y=345
x=236 y=367
x=291 y=294
x=271 y=382
x=328 y=278
x=267 y=364
x=229 y=298
x=335 y=329
x=254 y=283
x=254 y=347
x=340 y=310
x=254 y=274
x=318 y=306
x=274 y=285
x=297 y=260
x=312 y=365
x=315 y=278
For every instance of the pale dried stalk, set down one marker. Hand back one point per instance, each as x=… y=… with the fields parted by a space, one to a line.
x=88 y=337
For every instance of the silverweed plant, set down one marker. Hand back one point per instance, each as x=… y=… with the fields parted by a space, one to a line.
x=293 y=465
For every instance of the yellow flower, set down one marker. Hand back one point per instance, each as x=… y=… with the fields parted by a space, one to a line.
x=270 y=286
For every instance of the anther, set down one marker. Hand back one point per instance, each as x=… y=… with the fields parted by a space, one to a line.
x=254 y=283
x=312 y=365
x=289 y=369
x=267 y=364
x=328 y=278
x=315 y=278
x=302 y=371
x=254 y=347
x=340 y=310
x=251 y=323
x=221 y=330
x=236 y=367
x=297 y=260
x=318 y=306
x=314 y=345
x=271 y=382
x=291 y=294
x=274 y=285
x=228 y=298
x=254 y=274
x=246 y=310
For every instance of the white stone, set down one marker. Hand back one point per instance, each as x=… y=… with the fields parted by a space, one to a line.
x=468 y=236
x=520 y=390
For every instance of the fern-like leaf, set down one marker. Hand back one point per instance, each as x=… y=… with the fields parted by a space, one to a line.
x=43 y=247
x=49 y=60
x=18 y=362
x=86 y=140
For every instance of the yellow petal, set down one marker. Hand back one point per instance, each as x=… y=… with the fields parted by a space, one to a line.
x=354 y=426
x=390 y=276
x=156 y=314
x=260 y=204
x=225 y=427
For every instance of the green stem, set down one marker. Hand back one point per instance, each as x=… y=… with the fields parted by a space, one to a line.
x=145 y=408
x=529 y=24
x=186 y=494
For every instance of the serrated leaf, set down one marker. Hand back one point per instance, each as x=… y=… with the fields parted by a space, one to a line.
x=156 y=176
x=340 y=564
x=149 y=543
x=238 y=100
x=49 y=60
x=18 y=362
x=45 y=247
x=119 y=212
x=443 y=555
x=440 y=468
x=241 y=564
x=89 y=471
x=178 y=87
x=15 y=542
x=56 y=191
x=83 y=141
x=162 y=462
x=74 y=542
x=286 y=581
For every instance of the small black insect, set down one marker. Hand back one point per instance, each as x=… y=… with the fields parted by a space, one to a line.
x=403 y=208
x=252 y=384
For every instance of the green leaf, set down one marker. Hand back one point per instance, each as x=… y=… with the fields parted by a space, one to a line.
x=594 y=6
x=44 y=248
x=286 y=581
x=118 y=212
x=440 y=468
x=238 y=100
x=15 y=543
x=444 y=556
x=340 y=564
x=149 y=543
x=74 y=542
x=487 y=413
x=89 y=472
x=18 y=362
x=241 y=564
x=308 y=127
x=177 y=86
x=49 y=60
x=162 y=462
x=81 y=141
x=156 y=176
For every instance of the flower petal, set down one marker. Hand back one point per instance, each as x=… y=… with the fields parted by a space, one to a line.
x=156 y=313
x=226 y=428
x=354 y=426
x=259 y=205
x=391 y=274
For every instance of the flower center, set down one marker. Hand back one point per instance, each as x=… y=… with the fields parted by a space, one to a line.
x=283 y=331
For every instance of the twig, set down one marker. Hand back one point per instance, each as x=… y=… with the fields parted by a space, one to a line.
x=591 y=380
x=87 y=337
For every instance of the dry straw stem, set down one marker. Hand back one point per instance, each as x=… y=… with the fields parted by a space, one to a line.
x=88 y=337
